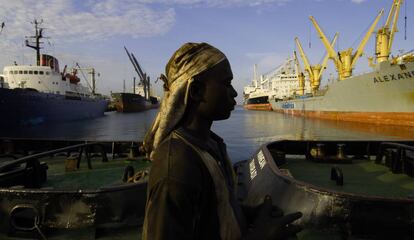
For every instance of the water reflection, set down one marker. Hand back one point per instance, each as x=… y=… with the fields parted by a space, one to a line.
x=112 y=126
x=244 y=132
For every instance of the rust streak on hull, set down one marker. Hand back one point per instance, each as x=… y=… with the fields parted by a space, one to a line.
x=262 y=107
x=388 y=118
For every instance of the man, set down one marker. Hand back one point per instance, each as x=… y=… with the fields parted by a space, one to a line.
x=191 y=183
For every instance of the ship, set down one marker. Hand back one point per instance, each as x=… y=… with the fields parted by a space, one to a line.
x=142 y=98
x=385 y=95
x=344 y=189
x=278 y=84
x=135 y=101
x=31 y=95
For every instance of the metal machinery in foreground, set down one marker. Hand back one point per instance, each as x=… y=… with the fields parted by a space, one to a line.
x=345 y=190
x=73 y=191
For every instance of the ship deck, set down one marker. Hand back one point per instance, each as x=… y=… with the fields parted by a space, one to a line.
x=362 y=177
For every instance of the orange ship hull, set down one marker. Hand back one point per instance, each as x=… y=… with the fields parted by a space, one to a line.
x=388 y=118
x=260 y=106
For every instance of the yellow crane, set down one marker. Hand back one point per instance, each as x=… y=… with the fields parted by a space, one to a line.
x=314 y=71
x=300 y=75
x=385 y=35
x=345 y=60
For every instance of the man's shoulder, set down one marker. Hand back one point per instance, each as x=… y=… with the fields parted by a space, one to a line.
x=175 y=159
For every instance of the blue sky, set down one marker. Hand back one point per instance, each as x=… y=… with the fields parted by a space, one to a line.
x=261 y=32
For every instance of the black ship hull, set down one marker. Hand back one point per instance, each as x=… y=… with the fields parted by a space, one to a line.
x=258 y=103
x=130 y=102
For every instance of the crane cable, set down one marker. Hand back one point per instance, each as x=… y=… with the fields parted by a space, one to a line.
x=405 y=21
x=310 y=30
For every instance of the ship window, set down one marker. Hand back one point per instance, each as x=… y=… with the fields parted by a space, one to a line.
x=15 y=71
x=20 y=72
x=25 y=72
x=30 y=72
x=35 y=72
x=41 y=72
x=11 y=72
x=39 y=82
x=47 y=73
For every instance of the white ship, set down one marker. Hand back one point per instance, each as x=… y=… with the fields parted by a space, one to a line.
x=41 y=93
x=280 y=83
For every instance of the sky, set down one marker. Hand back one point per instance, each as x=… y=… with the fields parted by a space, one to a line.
x=94 y=32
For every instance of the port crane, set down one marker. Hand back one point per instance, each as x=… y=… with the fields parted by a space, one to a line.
x=345 y=60
x=299 y=74
x=385 y=34
x=91 y=72
x=314 y=71
x=145 y=79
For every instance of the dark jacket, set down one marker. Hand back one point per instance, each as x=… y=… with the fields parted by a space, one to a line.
x=181 y=199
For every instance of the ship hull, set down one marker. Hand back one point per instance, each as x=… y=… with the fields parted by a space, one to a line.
x=385 y=96
x=30 y=107
x=129 y=102
x=258 y=103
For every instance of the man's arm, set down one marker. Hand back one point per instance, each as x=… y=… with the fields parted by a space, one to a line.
x=172 y=211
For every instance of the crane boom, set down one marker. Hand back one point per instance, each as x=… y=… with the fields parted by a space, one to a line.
x=325 y=59
x=297 y=65
x=133 y=64
x=331 y=52
x=300 y=75
x=364 y=41
x=390 y=14
x=395 y=20
x=304 y=58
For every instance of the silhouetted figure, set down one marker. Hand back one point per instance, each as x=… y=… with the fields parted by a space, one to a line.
x=191 y=184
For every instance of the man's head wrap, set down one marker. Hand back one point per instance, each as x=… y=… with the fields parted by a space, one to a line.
x=188 y=61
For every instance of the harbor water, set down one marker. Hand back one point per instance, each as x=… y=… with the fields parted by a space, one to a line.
x=243 y=133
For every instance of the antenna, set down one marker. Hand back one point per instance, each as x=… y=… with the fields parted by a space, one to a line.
x=36 y=43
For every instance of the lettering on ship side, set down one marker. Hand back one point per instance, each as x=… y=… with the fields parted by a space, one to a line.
x=393 y=77
x=288 y=105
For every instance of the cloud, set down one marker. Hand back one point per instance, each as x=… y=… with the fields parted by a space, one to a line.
x=74 y=21
x=358 y=1
x=77 y=21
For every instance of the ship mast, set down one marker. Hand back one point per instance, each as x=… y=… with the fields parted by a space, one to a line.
x=36 y=42
x=299 y=74
x=385 y=34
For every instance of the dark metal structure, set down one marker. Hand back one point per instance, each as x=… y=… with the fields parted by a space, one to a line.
x=326 y=210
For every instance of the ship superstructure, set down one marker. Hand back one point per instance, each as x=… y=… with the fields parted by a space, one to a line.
x=280 y=83
x=382 y=96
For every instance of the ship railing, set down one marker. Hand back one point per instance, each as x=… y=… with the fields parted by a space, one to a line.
x=398 y=157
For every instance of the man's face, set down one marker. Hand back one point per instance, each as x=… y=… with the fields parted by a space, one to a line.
x=218 y=98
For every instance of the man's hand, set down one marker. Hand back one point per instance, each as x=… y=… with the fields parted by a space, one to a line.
x=271 y=224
